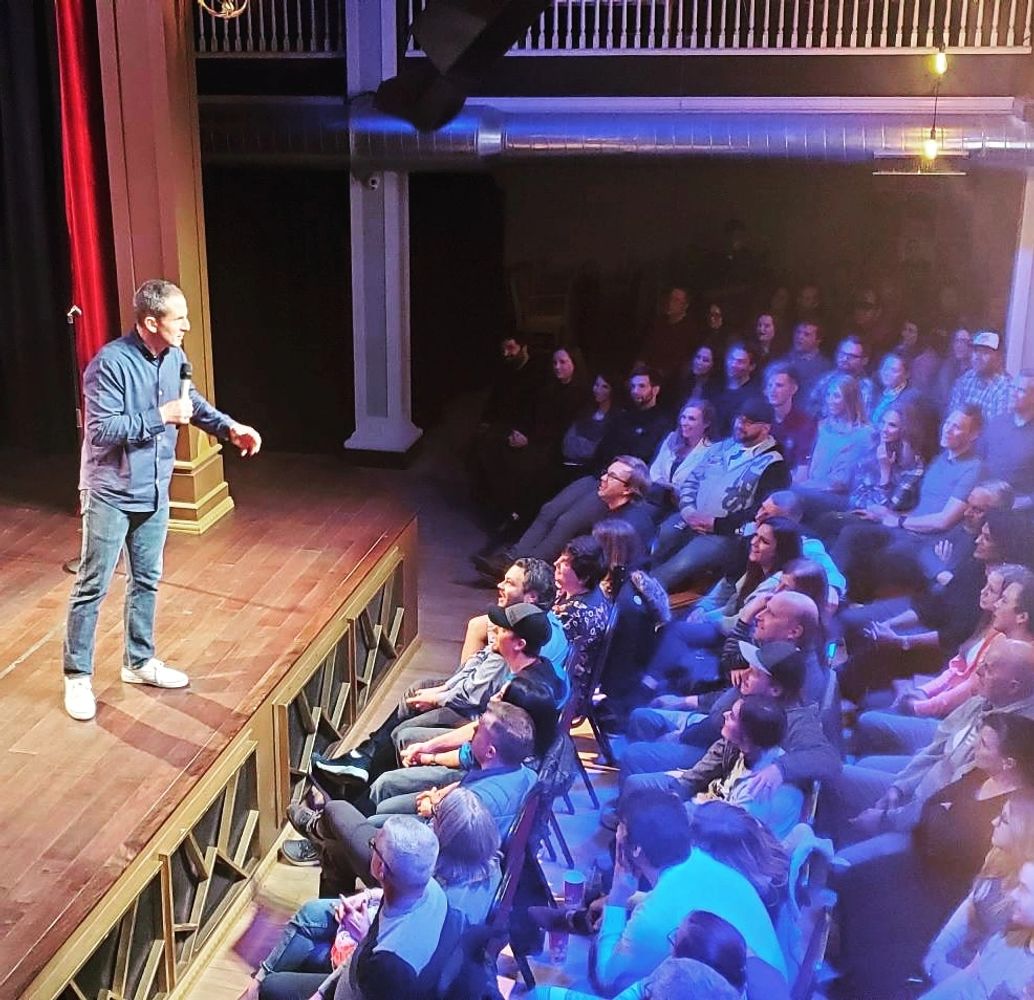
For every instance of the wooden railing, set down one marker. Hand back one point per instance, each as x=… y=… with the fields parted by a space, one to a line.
x=771 y=27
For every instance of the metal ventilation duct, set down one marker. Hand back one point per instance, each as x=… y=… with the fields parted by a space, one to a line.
x=484 y=134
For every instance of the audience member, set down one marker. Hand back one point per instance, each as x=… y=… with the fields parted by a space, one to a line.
x=956 y=364
x=1010 y=441
x=852 y=358
x=581 y=605
x=924 y=363
x=843 y=437
x=618 y=492
x=741 y=384
x=623 y=552
x=465 y=694
x=671 y=340
x=681 y=451
x=581 y=441
x=793 y=428
x=894 y=383
x=700 y=380
x=806 y=357
x=721 y=493
x=985 y=948
x=985 y=385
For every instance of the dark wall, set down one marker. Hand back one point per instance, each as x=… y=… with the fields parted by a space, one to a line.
x=647 y=222
x=279 y=281
x=458 y=304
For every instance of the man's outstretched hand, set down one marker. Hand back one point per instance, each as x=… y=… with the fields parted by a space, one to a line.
x=246 y=438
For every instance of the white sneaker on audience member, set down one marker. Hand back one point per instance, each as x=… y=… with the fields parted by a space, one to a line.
x=79 y=700
x=155 y=673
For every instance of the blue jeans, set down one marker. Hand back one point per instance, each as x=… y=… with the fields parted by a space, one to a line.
x=681 y=553
x=890 y=733
x=304 y=945
x=106 y=532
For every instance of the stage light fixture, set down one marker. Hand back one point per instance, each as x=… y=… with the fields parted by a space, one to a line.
x=940 y=62
x=931 y=147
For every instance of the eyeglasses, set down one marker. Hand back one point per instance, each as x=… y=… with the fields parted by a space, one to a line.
x=610 y=475
x=848 y=354
x=374 y=849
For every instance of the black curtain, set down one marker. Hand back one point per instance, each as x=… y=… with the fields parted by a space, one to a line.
x=36 y=387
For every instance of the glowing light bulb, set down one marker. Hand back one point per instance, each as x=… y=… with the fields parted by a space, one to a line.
x=931 y=147
x=940 y=62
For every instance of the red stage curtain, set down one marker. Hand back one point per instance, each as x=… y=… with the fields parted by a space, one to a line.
x=87 y=199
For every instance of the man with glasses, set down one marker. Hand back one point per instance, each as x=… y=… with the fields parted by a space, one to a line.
x=618 y=492
x=852 y=359
x=719 y=496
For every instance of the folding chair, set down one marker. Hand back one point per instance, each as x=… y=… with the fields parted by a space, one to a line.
x=515 y=854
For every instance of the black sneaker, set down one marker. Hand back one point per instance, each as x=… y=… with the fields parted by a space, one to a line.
x=301 y=853
x=353 y=765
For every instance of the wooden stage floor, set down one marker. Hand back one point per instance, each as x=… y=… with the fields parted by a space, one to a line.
x=236 y=608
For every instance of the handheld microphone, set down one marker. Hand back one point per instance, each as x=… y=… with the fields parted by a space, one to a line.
x=186 y=374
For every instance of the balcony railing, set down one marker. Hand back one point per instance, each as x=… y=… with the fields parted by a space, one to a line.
x=771 y=27
x=276 y=28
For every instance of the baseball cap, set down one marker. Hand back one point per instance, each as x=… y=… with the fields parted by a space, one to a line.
x=782 y=661
x=757 y=409
x=986 y=338
x=526 y=621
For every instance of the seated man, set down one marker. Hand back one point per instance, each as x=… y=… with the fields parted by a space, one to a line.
x=681 y=738
x=890 y=791
x=618 y=492
x=653 y=845
x=1010 y=440
x=721 y=494
x=794 y=429
x=946 y=484
x=940 y=555
x=339 y=836
x=464 y=695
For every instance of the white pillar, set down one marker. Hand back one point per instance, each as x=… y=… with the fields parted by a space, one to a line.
x=380 y=256
x=1019 y=327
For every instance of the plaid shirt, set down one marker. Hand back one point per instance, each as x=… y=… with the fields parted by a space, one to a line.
x=990 y=394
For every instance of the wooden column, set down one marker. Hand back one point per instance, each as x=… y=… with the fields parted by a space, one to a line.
x=154 y=166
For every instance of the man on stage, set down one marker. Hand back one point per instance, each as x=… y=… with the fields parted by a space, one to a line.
x=134 y=405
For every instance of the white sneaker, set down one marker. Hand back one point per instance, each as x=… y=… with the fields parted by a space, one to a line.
x=79 y=700
x=155 y=673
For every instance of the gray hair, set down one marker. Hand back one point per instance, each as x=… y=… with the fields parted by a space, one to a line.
x=152 y=298
x=468 y=839
x=411 y=851
x=687 y=979
x=538 y=577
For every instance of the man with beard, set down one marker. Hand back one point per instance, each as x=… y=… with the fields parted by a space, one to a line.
x=722 y=493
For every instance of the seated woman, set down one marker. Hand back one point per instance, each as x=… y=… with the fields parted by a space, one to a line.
x=887 y=478
x=687 y=655
x=623 y=553
x=893 y=382
x=1004 y=966
x=934 y=624
x=915 y=346
x=955 y=829
x=310 y=949
x=581 y=606
x=924 y=701
x=843 y=436
x=581 y=441
x=988 y=910
x=680 y=452
x=701 y=381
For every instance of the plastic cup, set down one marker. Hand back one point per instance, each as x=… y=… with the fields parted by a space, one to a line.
x=574 y=887
x=558 y=947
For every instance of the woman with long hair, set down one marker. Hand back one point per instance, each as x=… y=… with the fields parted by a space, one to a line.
x=582 y=437
x=986 y=910
x=701 y=380
x=623 y=552
x=680 y=452
x=735 y=838
x=843 y=436
x=916 y=347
